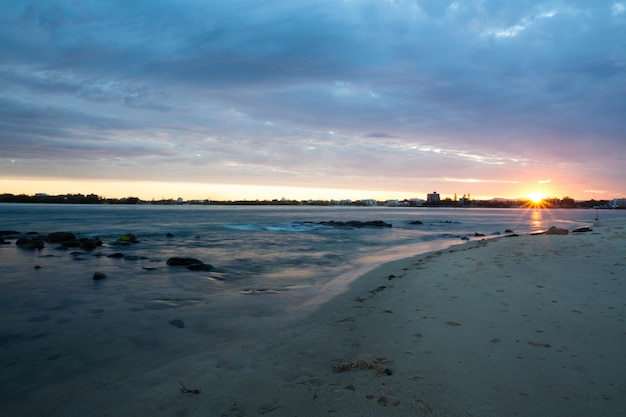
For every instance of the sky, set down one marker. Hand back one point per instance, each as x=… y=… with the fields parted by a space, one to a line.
x=328 y=99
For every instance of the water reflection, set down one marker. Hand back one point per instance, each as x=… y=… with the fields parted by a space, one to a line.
x=536 y=219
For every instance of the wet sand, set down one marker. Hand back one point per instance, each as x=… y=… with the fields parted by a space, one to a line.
x=513 y=326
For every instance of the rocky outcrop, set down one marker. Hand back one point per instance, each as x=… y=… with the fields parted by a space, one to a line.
x=127 y=238
x=356 y=224
x=86 y=243
x=26 y=243
x=192 y=264
x=582 y=230
x=98 y=276
x=60 y=237
x=556 y=231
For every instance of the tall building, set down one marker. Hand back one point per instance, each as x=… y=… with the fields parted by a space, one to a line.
x=433 y=197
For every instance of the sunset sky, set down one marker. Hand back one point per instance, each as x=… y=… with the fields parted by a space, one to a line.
x=247 y=99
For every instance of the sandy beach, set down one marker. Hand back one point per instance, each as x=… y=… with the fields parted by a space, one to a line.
x=531 y=325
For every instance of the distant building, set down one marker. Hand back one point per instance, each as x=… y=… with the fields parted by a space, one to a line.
x=433 y=198
x=392 y=203
x=619 y=203
x=416 y=201
x=369 y=202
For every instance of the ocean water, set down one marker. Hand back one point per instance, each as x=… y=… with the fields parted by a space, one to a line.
x=272 y=265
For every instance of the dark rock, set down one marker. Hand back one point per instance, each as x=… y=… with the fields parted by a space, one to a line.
x=4 y=242
x=582 y=230
x=508 y=231
x=26 y=243
x=169 y=235
x=36 y=267
x=556 y=231
x=356 y=224
x=127 y=238
x=116 y=255
x=71 y=243
x=8 y=232
x=416 y=222
x=60 y=237
x=98 y=276
x=478 y=235
x=90 y=243
x=192 y=264
x=176 y=261
x=177 y=323
x=200 y=267
x=134 y=257
x=375 y=223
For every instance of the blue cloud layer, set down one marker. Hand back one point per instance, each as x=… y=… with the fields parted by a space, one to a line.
x=313 y=92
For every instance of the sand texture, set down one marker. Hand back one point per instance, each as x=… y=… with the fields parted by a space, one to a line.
x=513 y=326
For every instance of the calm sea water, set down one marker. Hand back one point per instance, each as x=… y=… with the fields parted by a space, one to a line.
x=272 y=265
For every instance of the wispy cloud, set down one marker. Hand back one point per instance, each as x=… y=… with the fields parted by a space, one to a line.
x=250 y=92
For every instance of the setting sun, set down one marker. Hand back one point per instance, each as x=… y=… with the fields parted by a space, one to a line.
x=536 y=197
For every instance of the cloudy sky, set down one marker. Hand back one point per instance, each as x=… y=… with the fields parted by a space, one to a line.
x=317 y=98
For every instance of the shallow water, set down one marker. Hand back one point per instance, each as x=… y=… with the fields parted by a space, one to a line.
x=272 y=265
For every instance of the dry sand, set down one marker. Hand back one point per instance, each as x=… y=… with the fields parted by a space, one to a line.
x=515 y=326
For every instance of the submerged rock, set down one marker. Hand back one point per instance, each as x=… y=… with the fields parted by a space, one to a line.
x=90 y=243
x=127 y=238
x=60 y=237
x=200 y=267
x=9 y=232
x=178 y=261
x=356 y=224
x=26 y=243
x=582 y=229
x=177 y=323
x=192 y=264
x=98 y=276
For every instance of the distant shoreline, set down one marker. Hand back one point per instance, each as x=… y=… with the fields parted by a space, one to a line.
x=80 y=199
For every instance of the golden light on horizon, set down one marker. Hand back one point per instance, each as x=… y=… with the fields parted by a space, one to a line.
x=536 y=197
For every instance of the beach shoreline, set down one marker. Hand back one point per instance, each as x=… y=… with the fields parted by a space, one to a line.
x=524 y=326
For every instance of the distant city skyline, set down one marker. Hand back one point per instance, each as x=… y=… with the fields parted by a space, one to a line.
x=313 y=99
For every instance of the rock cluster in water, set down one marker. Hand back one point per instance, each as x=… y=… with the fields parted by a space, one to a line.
x=350 y=224
x=66 y=240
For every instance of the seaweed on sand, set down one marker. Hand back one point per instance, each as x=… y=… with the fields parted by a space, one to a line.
x=364 y=363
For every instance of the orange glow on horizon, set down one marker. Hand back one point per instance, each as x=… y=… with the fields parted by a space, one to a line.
x=536 y=197
x=157 y=190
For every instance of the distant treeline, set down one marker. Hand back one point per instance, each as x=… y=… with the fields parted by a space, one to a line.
x=564 y=202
